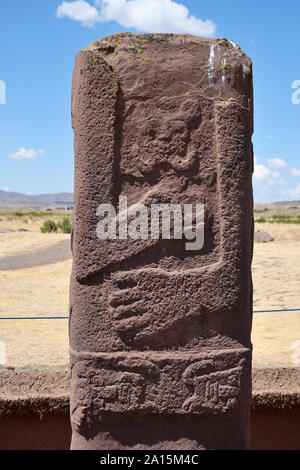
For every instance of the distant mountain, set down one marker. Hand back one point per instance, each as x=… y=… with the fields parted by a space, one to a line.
x=280 y=204
x=10 y=199
x=19 y=200
x=286 y=203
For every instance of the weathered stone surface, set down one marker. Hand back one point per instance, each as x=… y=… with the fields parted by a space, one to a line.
x=262 y=237
x=160 y=336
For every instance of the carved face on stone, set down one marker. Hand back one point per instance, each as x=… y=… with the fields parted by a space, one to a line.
x=166 y=132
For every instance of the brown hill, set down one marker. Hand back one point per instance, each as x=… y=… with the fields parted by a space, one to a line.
x=10 y=199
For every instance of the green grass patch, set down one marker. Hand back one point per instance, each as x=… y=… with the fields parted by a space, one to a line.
x=33 y=214
x=279 y=219
x=49 y=226
x=285 y=219
x=65 y=225
x=261 y=220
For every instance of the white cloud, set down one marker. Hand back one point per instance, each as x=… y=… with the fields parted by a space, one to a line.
x=261 y=173
x=269 y=184
x=295 y=193
x=275 y=175
x=6 y=188
x=277 y=163
x=26 y=154
x=295 y=172
x=79 y=10
x=143 y=15
x=269 y=137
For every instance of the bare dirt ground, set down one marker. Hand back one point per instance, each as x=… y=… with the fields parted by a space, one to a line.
x=43 y=291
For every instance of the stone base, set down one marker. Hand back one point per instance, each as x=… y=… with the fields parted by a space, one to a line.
x=155 y=400
x=154 y=432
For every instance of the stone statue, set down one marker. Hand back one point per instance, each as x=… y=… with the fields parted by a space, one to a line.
x=160 y=327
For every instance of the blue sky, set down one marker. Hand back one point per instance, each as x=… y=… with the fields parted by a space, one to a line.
x=39 y=41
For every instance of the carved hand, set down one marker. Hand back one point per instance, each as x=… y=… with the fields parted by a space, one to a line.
x=148 y=301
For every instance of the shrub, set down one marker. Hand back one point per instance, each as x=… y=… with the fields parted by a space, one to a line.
x=65 y=225
x=261 y=220
x=49 y=226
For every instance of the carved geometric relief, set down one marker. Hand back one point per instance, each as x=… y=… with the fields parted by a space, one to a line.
x=212 y=382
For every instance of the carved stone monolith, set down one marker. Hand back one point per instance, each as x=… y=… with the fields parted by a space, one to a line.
x=160 y=324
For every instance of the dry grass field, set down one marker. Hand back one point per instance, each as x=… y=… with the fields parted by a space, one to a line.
x=19 y=242
x=43 y=291
x=276 y=280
